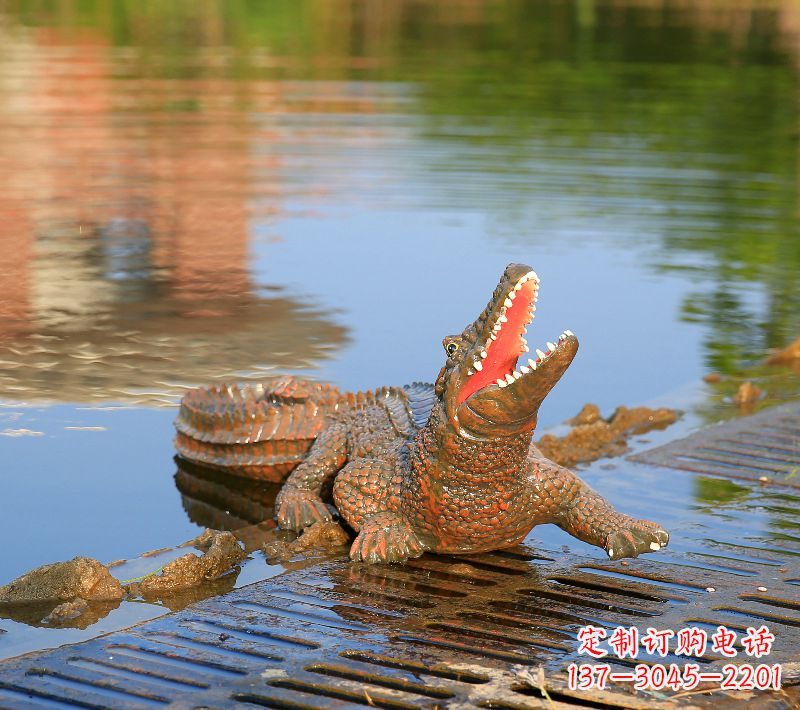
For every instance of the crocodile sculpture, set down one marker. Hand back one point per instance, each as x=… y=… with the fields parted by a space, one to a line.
x=448 y=468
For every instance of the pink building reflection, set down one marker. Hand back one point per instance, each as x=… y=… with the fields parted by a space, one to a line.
x=124 y=226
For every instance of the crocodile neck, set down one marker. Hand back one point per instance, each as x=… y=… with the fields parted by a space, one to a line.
x=455 y=460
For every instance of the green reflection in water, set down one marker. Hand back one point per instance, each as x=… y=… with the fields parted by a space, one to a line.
x=718 y=491
x=678 y=125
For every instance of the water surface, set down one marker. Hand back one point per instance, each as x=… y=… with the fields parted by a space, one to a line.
x=199 y=192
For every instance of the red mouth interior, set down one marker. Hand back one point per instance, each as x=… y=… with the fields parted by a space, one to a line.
x=502 y=354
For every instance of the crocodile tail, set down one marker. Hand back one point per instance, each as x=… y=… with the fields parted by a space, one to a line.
x=261 y=431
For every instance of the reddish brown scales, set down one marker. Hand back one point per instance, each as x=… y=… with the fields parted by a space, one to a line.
x=261 y=431
x=469 y=480
x=464 y=479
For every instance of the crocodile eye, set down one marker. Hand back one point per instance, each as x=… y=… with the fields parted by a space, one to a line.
x=451 y=348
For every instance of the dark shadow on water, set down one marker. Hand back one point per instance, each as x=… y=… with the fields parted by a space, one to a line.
x=36 y=614
x=111 y=326
x=220 y=501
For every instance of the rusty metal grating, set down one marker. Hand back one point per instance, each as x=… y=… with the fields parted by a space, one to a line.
x=764 y=447
x=484 y=631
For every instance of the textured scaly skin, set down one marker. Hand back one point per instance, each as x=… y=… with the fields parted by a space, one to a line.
x=448 y=468
x=470 y=479
x=404 y=495
x=256 y=431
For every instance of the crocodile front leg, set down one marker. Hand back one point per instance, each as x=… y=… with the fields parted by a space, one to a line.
x=588 y=516
x=367 y=495
x=299 y=504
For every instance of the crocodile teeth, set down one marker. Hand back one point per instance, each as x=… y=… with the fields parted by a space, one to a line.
x=501 y=319
x=569 y=333
x=551 y=347
x=524 y=370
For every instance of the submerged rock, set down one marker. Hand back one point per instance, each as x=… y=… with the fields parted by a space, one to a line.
x=81 y=577
x=75 y=614
x=222 y=553
x=747 y=393
x=593 y=437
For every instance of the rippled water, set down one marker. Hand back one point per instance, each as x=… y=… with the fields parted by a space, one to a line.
x=197 y=192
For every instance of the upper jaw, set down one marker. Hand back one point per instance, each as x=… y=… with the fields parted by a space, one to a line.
x=494 y=326
x=499 y=333
x=489 y=381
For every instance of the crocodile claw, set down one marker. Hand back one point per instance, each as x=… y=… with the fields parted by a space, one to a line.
x=296 y=509
x=385 y=538
x=634 y=538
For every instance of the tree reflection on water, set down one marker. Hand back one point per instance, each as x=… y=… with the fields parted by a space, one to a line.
x=139 y=144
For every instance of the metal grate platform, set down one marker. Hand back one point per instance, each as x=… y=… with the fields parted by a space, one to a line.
x=764 y=447
x=439 y=632
x=484 y=631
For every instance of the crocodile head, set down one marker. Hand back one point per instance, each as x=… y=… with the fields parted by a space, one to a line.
x=491 y=385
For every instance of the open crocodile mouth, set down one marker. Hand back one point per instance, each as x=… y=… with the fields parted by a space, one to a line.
x=500 y=357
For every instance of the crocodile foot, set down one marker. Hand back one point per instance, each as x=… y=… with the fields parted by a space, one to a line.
x=386 y=537
x=633 y=537
x=297 y=508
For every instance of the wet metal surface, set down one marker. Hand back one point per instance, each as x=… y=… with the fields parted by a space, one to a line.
x=764 y=448
x=199 y=192
x=469 y=631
